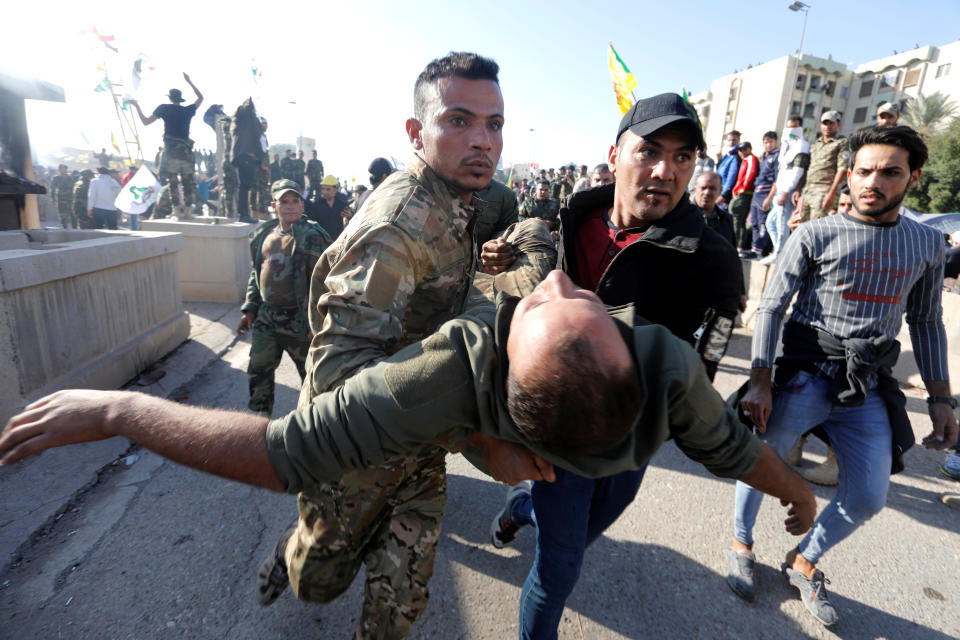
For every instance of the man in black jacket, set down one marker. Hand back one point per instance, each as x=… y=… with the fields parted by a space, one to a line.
x=639 y=240
x=706 y=191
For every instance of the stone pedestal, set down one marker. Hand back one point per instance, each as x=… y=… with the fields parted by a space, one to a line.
x=84 y=309
x=215 y=260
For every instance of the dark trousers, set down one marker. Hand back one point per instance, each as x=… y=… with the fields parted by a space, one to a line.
x=758 y=222
x=246 y=172
x=740 y=210
x=104 y=218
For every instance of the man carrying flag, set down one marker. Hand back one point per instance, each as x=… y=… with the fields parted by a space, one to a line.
x=176 y=157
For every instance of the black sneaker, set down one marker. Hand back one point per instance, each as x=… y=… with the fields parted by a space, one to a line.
x=813 y=593
x=272 y=575
x=503 y=530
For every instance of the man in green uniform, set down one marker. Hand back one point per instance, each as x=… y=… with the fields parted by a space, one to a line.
x=399 y=270
x=298 y=169
x=500 y=212
x=80 y=189
x=829 y=158
x=61 y=190
x=315 y=174
x=275 y=172
x=542 y=206
x=286 y=164
x=231 y=179
x=284 y=252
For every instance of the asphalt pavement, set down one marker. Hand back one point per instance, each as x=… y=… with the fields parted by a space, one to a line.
x=107 y=540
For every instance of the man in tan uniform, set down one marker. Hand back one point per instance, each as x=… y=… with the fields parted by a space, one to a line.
x=829 y=159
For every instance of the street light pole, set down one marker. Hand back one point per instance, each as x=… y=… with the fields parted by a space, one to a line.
x=791 y=81
x=299 y=126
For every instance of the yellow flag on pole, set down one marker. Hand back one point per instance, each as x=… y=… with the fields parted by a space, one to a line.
x=623 y=80
x=113 y=141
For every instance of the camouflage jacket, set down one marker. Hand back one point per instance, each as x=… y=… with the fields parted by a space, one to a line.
x=286 y=168
x=309 y=239
x=826 y=158
x=315 y=170
x=80 y=189
x=548 y=210
x=61 y=190
x=402 y=267
x=297 y=169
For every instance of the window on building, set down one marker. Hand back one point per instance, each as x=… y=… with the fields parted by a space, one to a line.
x=808 y=110
x=830 y=87
x=866 y=88
x=943 y=69
x=795 y=108
x=733 y=93
x=889 y=79
x=814 y=82
x=801 y=81
x=860 y=115
x=912 y=78
x=845 y=93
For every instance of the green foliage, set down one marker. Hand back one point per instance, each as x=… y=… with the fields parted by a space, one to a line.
x=939 y=188
x=927 y=114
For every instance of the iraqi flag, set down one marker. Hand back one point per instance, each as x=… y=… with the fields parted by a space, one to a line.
x=139 y=193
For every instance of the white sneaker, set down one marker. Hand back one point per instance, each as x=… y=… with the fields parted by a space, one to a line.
x=770 y=259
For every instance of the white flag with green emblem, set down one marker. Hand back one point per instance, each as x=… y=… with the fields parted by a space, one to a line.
x=138 y=194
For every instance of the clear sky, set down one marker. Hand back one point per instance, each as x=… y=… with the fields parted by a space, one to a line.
x=350 y=66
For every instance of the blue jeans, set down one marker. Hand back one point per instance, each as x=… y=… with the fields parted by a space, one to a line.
x=104 y=218
x=776 y=225
x=861 y=438
x=758 y=222
x=134 y=219
x=569 y=515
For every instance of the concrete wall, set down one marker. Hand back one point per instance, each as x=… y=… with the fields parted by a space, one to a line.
x=215 y=260
x=84 y=309
x=755 y=275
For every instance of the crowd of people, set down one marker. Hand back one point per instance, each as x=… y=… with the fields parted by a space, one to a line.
x=538 y=328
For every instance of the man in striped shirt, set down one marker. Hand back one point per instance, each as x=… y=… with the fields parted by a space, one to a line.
x=855 y=275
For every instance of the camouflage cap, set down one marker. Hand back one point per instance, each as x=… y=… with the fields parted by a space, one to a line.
x=280 y=187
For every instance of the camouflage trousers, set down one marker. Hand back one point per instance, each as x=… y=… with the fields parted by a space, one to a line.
x=260 y=192
x=176 y=165
x=387 y=518
x=228 y=196
x=164 y=205
x=67 y=219
x=813 y=201
x=274 y=331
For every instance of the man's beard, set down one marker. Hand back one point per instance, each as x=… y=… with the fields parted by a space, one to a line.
x=894 y=204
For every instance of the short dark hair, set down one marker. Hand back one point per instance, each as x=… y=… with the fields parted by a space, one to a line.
x=542 y=181
x=770 y=135
x=459 y=64
x=579 y=405
x=733 y=132
x=900 y=136
x=603 y=166
x=797 y=119
x=844 y=190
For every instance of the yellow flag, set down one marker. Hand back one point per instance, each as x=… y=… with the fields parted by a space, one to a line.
x=113 y=141
x=623 y=80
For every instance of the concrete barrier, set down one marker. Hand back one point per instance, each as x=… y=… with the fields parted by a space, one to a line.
x=215 y=260
x=756 y=276
x=84 y=309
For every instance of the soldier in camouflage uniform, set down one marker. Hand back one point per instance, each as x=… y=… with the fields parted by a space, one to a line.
x=400 y=269
x=231 y=181
x=298 y=170
x=286 y=165
x=829 y=159
x=564 y=184
x=80 y=189
x=542 y=206
x=260 y=193
x=315 y=174
x=61 y=190
x=284 y=252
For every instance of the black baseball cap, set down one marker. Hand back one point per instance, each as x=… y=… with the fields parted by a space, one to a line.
x=652 y=114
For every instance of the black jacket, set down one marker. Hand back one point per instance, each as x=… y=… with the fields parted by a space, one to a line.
x=680 y=274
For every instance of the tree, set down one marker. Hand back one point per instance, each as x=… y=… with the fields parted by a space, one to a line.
x=939 y=188
x=928 y=114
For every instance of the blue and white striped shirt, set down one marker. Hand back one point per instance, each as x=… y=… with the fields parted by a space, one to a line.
x=855 y=279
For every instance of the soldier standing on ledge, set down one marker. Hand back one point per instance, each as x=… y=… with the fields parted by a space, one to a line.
x=176 y=157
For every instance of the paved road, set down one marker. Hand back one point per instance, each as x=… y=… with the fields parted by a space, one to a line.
x=148 y=549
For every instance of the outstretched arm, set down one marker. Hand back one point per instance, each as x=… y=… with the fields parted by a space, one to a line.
x=145 y=120
x=230 y=444
x=772 y=476
x=195 y=90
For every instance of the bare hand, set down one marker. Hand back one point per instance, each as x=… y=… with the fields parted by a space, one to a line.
x=782 y=199
x=246 y=322
x=827 y=202
x=757 y=403
x=133 y=101
x=496 y=255
x=795 y=198
x=796 y=219
x=65 y=417
x=801 y=514
x=511 y=463
x=186 y=77
x=944 y=434
x=767 y=203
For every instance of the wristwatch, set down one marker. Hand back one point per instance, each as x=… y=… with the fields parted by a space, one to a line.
x=950 y=400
